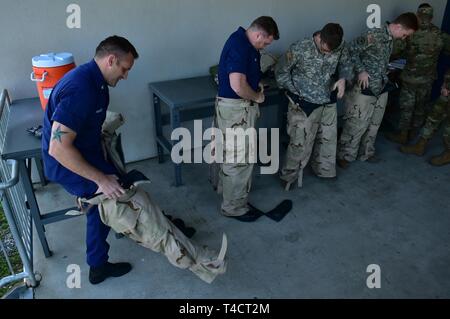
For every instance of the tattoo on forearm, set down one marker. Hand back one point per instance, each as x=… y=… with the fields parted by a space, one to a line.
x=57 y=134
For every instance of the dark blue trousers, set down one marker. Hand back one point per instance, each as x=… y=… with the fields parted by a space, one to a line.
x=96 y=233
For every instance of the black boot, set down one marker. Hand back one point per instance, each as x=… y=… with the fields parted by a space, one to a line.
x=187 y=231
x=179 y=223
x=99 y=274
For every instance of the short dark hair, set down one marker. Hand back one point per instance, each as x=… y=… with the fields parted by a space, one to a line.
x=115 y=45
x=408 y=20
x=268 y=25
x=425 y=5
x=332 y=34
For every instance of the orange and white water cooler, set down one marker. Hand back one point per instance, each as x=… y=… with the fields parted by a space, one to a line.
x=48 y=69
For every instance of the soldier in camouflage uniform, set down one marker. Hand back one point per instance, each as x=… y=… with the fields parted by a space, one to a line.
x=240 y=92
x=440 y=113
x=421 y=52
x=307 y=73
x=365 y=105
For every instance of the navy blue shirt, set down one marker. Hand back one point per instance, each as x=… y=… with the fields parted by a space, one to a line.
x=79 y=101
x=238 y=56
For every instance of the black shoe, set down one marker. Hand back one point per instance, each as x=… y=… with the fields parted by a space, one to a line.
x=179 y=223
x=99 y=274
x=187 y=231
x=250 y=216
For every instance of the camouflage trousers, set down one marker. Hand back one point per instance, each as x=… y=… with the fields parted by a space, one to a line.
x=439 y=113
x=315 y=134
x=138 y=217
x=235 y=173
x=362 y=119
x=413 y=101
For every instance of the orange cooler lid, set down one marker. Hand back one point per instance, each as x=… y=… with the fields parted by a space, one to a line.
x=51 y=60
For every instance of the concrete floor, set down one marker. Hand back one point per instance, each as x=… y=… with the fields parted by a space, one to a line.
x=395 y=214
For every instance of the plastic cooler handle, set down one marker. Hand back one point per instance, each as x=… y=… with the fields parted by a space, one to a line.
x=34 y=79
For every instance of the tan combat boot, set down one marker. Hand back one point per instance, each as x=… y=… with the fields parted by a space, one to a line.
x=342 y=163
x=442 y=159
x=399 y=138
x=416 y=149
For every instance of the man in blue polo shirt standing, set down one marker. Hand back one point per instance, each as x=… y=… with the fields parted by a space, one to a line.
x=237 y=107
x=71 y=142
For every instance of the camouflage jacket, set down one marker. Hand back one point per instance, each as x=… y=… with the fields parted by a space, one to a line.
x=421 y=52
x=370 y=52
x=307 y=72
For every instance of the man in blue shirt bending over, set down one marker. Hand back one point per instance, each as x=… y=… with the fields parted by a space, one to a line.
x=71 y=142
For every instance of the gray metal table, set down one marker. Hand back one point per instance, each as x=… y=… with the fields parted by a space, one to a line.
x=21 y=146
x=188 y=99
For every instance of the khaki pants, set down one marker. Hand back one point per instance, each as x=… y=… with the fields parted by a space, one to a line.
x=363 y=116
x=138 y=217
x=315 y=134
x=234 y=176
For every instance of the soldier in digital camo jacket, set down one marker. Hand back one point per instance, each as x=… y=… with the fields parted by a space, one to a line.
x=307 y=73
x=366 y=102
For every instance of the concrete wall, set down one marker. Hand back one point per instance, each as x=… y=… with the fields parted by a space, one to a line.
x=175 y=38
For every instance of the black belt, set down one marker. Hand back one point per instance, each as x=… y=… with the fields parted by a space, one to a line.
x=309 y=107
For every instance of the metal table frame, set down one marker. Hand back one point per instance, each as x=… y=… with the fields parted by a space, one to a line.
x=21 y=146
x=189 y=99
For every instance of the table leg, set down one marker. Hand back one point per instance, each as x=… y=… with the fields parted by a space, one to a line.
x=34 y=208
x=158 y=126
x=40 y=169
x=29 y=165
x=175 y=122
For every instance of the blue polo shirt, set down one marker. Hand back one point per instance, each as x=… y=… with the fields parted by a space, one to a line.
x=238 y=56
x=79 y=101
